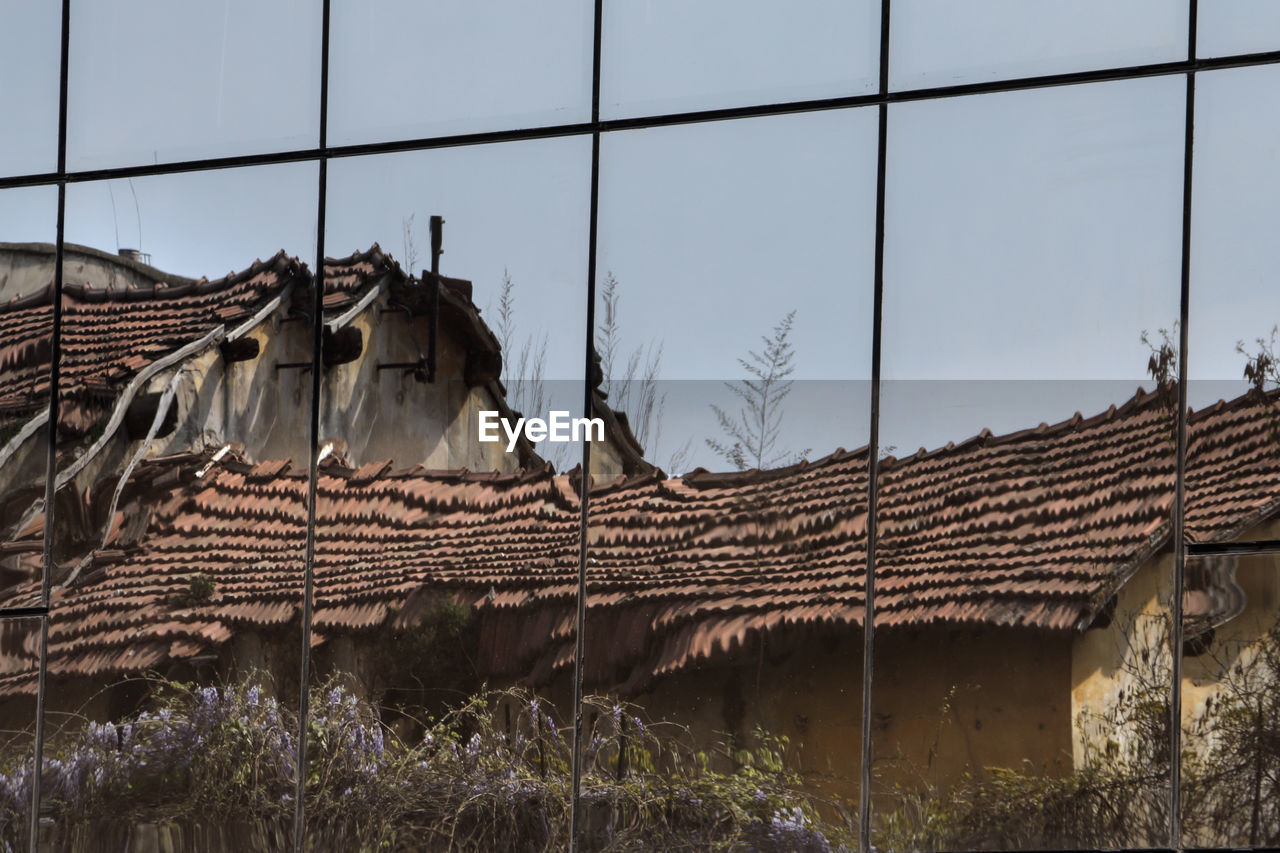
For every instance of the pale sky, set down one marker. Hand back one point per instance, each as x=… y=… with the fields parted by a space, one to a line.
x=1030 y=237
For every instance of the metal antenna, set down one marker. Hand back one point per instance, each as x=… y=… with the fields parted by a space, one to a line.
x=114 y=219
x=138 y=212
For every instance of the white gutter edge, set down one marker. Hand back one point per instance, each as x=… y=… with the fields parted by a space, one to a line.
x=166 y=400
x=117 y=415
x=28 y=429
x=39 y=420
x=261 y=314
x=217 y=457
x=352 y=312
x=126 y=397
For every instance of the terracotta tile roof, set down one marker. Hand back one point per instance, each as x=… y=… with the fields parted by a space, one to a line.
x=1034 y=529
x=100 y=323
x=26 y=327
x=347 y=279
x=1232 y=453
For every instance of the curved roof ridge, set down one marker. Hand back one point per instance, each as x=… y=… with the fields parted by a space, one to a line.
x=1248 y=398
x=281 y=262
x=1139 y=401
x=701 y=477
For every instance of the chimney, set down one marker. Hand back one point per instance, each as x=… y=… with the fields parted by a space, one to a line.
x=135 y=255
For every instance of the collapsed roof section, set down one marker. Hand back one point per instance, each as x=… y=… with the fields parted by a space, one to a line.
x=126 y=325
x=111 y=334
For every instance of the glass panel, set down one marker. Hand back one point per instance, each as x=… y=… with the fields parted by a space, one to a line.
x=180 y=531
x=401 y=69
x=1231 y=701
x=1033 y=242
x=28 y=218
x=666 y=56
x=1237 y=26
x=942 y=43
x=733 y=326
x=1233 y=461
x=30 y=49
x=19 y=663
x=152 y=81
x=446 y=563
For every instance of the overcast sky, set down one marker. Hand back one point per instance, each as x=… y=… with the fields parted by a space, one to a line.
x=1031 y=237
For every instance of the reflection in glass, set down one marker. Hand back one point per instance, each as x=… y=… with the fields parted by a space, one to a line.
x=153 y=82
x=733 y=334
x=1237 y=26
x=29 y=54
x=1233 y=454
x=1231 y=699
x=179 y=526
x=400 y=69
x=446 y=563
x=1023 y=571
x=669 y=56
x=19 y=662
x=27 y=218
x=940 y=43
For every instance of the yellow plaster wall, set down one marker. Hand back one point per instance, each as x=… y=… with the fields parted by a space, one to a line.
x=1103 y=657
x=944 y=702
x=947 y=701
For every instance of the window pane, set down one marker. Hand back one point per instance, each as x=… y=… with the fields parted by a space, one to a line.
x=1237 y=26
x=19 y=661
x=152 y=81
x=1233 y=462
x=30 y=49
x=666 y=56
x=445 y=560
x=401 y=69
x=724 y=609
x=180 y=518
x=942 y=43
x=28 y=218
x=1022 y=568
x=1231 y=701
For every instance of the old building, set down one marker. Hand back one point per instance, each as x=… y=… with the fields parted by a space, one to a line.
x=1013 y=572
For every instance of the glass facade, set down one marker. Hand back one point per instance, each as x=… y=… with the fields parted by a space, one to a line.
x=639 y=426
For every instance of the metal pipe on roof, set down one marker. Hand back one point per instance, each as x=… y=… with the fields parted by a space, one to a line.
x=433 y=330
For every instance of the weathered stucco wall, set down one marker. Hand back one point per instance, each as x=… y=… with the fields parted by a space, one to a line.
x=947 y=701
x=944 y=702
x=606 y=462
x=388 y=414
x=1111 y=664
x=28 y=267
x=1109 y=668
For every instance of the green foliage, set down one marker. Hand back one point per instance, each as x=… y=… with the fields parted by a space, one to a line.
x=411 y=662
x=201 y=588
x=751 y=435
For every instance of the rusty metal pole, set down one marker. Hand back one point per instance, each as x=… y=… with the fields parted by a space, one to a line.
x=437 y=239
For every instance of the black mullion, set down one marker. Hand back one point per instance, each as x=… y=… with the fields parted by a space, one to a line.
x=579 y=649
x=1237 y=549
x=1132 y=72
x=51 y=460
x=873 y=444
x=1179 y=496
x=34 y=610
x=313 y=464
